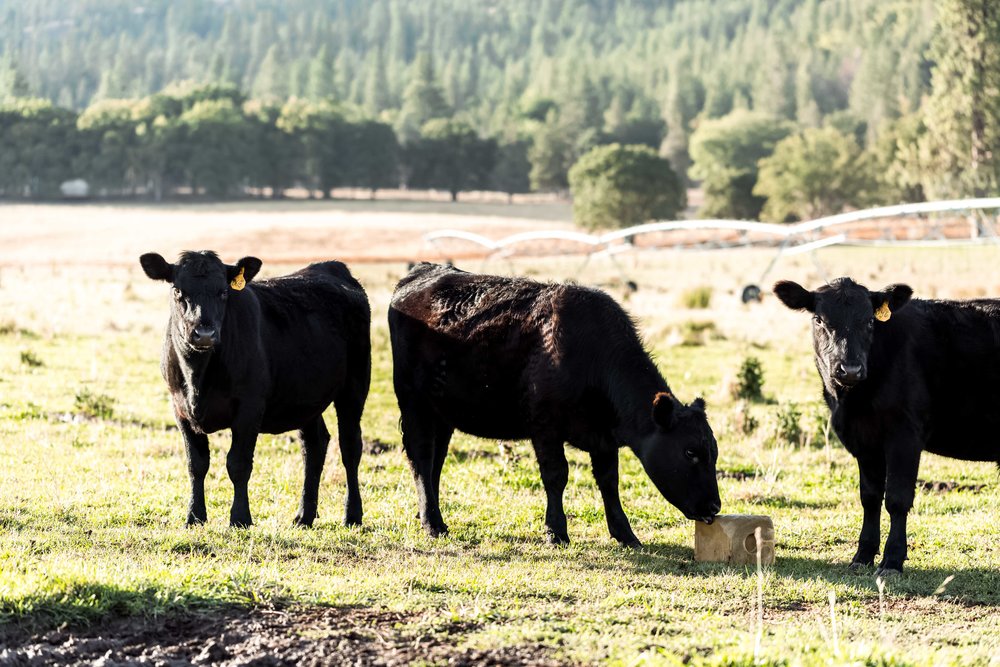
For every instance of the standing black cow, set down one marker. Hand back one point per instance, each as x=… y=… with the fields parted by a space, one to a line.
x=265 y=357
x=899 y=381
x=516 y=359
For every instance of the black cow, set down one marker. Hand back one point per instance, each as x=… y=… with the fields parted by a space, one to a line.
x=898 y=381
x=265 y=357
x=510 y=358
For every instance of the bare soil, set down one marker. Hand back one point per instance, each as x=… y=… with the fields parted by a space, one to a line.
x=263 y=637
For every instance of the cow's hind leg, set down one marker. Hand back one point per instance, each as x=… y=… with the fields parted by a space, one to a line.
x=315 y=440
x=555 y=473
x=419 y=440
x=872 y=482
x=442 y=440
x=605 y=465
x=349 y=409
x=196 y=447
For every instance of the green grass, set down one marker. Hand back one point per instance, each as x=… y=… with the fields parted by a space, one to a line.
x=92 y=503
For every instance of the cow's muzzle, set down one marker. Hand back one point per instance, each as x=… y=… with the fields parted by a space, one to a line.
x=848 y=375
x=204 y=337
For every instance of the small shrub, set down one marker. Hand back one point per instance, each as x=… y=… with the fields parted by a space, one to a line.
x=94 y=405
x=694 y=334
x=788 y=428
x=743 y=419
x=697 y=298
x=7 y=327
x=30 y=359
x=750 y=380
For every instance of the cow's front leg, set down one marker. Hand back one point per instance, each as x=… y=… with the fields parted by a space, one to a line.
x=555 y=473
x=196 y=448
x=872 y=483
x=902 y=464
x=605 y=466
x=239 y=465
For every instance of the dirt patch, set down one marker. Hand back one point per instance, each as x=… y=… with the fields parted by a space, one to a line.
x=271 y=637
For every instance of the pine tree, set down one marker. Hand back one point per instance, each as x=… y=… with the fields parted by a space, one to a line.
x=963 y=113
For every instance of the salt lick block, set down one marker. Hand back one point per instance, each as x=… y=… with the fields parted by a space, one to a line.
x=730 y=539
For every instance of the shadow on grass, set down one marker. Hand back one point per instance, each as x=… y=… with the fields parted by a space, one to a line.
x=79 y=604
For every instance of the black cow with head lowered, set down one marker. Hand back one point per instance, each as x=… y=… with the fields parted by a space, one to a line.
x=516 y=359
x=901 y=376
x=265 y=357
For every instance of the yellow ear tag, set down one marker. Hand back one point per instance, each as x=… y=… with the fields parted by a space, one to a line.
x=883 y=313
x=239 y=282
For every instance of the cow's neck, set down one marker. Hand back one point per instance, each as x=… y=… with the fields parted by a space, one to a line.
x=633 y=403
x=193 y=365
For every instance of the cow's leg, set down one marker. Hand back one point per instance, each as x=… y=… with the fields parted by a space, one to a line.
x=239 y=463
x=872 y=478
x=196 y=446
x=902 y=464
x=605 y=466
x=442 y=439
x=419 y=438
x=315 y=440
x=555 y=473
x=349 y=409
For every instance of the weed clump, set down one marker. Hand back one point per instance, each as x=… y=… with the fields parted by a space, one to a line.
x=30 y=359
x=750 y=381
x=94 y=405
x=697 y=298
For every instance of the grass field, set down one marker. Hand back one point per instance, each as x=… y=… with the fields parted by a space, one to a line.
x=93 y=492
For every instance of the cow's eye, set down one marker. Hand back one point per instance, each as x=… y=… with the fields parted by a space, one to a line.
x=691 y=454
x=178 y=294
x=871 y=323
x=223 y=294
x=818 y=320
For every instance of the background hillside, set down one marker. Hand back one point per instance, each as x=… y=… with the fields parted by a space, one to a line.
x=620 y=63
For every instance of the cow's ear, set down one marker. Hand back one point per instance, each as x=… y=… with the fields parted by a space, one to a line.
x=795 y=296
x=243 y=272
x=156 y=267
x=699 y=404
x=889 y=300
x=663 y=409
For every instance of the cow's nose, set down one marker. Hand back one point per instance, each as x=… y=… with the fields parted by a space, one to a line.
x=204 y=335
x=849 y=373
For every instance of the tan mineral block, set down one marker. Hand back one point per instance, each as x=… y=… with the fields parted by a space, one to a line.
x=730 y=539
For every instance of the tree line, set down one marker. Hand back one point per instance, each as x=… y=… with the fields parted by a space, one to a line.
x=771 y=142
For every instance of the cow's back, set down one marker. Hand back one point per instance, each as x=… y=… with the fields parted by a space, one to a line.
x=315 y=337
x=490 y=352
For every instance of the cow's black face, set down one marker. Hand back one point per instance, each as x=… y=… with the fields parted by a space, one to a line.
x=680 y=455
x=845 y=317
x=201 y=288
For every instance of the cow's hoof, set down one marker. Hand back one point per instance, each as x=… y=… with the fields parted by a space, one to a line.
x=435 y=531
x=241 y=522
x=352 y=520
x=857 y=567
x=630 y=542
x=556 y=538
x=193 y=521
x=302 y=522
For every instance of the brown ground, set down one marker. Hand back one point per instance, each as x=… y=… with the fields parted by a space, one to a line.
x=277 y=232
x=263 y=637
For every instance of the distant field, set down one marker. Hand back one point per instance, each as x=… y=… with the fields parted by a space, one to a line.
x=92 y=501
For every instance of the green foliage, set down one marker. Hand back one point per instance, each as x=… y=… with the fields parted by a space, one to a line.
x=512 y=171
x=750 y=380
x=962 y=114
x=725 y=153
x=93 y=404
x=813 y=174
x=449 y=155
x=788 y=430
x=621 y=186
